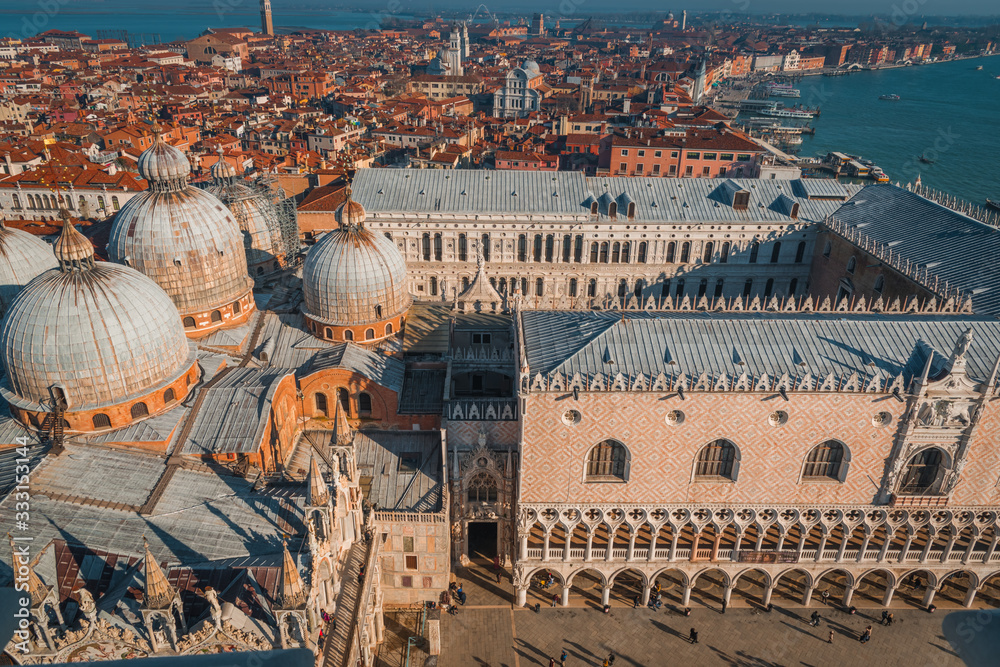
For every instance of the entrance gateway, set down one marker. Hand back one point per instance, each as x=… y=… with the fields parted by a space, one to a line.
x=483 y=540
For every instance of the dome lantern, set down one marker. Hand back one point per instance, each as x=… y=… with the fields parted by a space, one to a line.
x=165 y=167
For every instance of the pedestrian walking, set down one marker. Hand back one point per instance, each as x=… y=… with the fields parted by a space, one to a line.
x=885 y=617
x=866 y=635
x=829 y=640
x=725 y=603
x=461 y=595
x=562 y=658
x=814 y=619
x=636 y=601
x=826 y=597
x=693 y=636
x=889 y=619
x=361 y=574
x=496 y=563
x=611 y=659
x=555 y=600
x=499 y=576
x=552 y=662
x=605 y=663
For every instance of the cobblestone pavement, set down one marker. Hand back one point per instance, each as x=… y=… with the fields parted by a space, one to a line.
x=505 y=637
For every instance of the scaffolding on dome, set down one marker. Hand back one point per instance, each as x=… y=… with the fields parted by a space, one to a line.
x=264 y=196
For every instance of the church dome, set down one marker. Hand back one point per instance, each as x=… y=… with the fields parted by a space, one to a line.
x=162 y=163
x=187 y=241
x=22 y=257
x=531 y=66
x=95 y=334
x=355 y=278
x=222 y=170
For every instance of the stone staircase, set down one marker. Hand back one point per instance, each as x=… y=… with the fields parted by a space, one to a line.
x=338 y=639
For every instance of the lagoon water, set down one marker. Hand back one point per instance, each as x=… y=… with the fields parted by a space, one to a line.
x=950 y=112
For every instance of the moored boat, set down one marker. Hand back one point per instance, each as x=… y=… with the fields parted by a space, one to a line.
x=892 y=97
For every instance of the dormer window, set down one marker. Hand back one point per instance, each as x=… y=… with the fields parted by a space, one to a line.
x=741 y=200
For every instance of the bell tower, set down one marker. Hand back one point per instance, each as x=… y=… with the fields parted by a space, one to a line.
x=266 y=22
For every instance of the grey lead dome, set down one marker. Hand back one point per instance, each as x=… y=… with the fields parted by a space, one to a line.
x=103 y=333
x=354 y=276
x=22 y=257
x=183 y=238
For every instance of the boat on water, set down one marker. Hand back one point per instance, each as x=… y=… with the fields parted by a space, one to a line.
x=991 y=203
x=979 y=66
x=787 y=113
x=784 y=92
x=926 y=160
x=892 y=97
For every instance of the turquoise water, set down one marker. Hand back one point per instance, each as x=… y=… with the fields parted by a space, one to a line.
x=950 y=112
x=185 y=19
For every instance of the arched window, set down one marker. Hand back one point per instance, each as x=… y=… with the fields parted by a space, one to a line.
x=924 y=473
x=345 y=401
x=716 y=460
x=327 y=333
x=608 y=461
x=827 y=248
x=702 y=287
x=572 y=286
x=348 y=334
x=536 y=254
x=879 y=283
x=685 y=252
x=216 y=316
x=679 y=289
x=550 y=247
x=522 y=248
x=139 y=410
x=768 y=288
x=237 y=308
x=724 y=253
x=31 y=201
x=593 y=252
x=567 y=248
x=482 y=489
x=16 y=200
x=800 y=252
x=369 y=334
x=434 y=286
x=592 y=288
x=425 y=247
x=616 y=252
x=539 y=287
x=593 y=208
x=321 y=406
x=260 y=270
x=437 y=247
x=642 y=252
x=378 y=312
x=364 y=404
x=388 y=329
x=754 y=250
x=631 y=210
x=485 y=245
x=604 y=252
x=114 y=203
x=718 y=287
x=83 y=202
x=793 y=287
x=100 y=203
x=613 y=210
x=776 y=252
x=747 y=287
x=189 y=323
x=622 y=288
x=706 y=256
x=463 y=248
x=102 y=421
x=578 y=249
x=852 y=264
x=824 y=461
x=169 y=396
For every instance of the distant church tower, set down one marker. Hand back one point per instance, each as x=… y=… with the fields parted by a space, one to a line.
x=266 y=22
x=457 y=49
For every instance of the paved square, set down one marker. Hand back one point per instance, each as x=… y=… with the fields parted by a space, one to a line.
x=497 y=637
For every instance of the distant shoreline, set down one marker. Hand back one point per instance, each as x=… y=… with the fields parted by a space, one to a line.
x=821 y=72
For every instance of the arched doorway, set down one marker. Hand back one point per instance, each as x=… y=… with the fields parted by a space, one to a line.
x=791 y=586
x=751 y=587
x=989 y=592
x=872 y=588
x=834 y=583
x=671 y=586
x=588 y=586
x=626 y=587
x=912 y=588
x=952 y=590
x=924 y=473
x=709 y=588
x=544 y=584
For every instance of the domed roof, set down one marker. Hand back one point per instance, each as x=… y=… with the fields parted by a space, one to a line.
x=222 y=171
x=351 y=212
x=22 y=257
x=183 y=238
x=354 y=276
x=162 y=164
x=101 y=332
x=531 y=66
